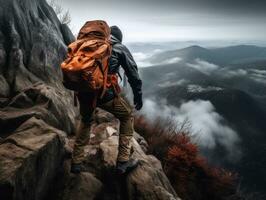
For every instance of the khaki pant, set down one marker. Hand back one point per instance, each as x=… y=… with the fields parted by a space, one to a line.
x=121 y=110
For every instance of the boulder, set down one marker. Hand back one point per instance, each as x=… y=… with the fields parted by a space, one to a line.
x=29 y=160
x=67 y=34
x=4 y=89
x=83 y=186
x=142 y=142
x=41 y=101
x=33 y=43
x=147 y=181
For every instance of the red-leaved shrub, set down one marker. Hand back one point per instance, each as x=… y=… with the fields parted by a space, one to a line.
x=190 y=174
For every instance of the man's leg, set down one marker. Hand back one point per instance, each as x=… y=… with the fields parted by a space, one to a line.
x=82 y=137
x=123 y=111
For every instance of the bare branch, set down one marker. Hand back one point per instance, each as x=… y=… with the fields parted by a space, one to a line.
x=63 y=16
x=66 y=18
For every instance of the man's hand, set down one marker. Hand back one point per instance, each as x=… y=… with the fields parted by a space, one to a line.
x=138 y=101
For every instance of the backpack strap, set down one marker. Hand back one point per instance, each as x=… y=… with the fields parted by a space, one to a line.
x=105 y=76
x=105 y=71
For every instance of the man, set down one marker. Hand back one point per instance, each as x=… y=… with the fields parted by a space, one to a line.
x=114 y=104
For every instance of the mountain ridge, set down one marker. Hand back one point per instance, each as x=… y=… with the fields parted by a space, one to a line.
x=220 y=56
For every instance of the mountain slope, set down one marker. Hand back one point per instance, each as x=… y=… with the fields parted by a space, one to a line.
x=220 y=56
x=236 y=99
x=246 y=116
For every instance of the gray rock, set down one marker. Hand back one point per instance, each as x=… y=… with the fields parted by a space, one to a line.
x=35 y=41
x=4 y=89
x=147 y=181
x=2 y=53
x=32 y=47
x=69 y=186
x=29 y=160
x=103 y=116
x=83 y=186
x=67 y=34
x=34 y=105
x=42 y=101
x=142 y=142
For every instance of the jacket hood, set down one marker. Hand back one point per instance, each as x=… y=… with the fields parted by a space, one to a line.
x=116 y=33
x=114 y=40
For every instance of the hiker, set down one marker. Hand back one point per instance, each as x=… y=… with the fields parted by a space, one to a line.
x=111 y=101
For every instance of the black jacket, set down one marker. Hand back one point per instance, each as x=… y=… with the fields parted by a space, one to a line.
x=121 y=56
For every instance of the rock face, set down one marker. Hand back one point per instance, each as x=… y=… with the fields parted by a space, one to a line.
x=29 y=160
x=146 y=182
x=33 y=156
x=32 y=46
x=83 y=187
x=42 y=101
x=35 y=108
x=37 y=115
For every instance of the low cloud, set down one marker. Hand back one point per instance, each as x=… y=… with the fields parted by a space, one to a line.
x=258 y=75
x=173 y=83
x=197 y=88
x=203 y=66
x=170 y=75
x=172 y=61
x=206 y=124
x=142 y=59
x=259 y=71
x=253 y=74
x=228 y=73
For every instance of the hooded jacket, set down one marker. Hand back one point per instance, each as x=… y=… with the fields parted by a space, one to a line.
x=121 y=56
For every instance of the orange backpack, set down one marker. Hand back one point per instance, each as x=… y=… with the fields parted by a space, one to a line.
x=86 y=66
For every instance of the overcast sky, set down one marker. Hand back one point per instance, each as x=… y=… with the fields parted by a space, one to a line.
x=169 y=20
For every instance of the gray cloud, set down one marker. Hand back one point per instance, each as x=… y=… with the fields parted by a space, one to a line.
x=198 y=89
x=203 y=66
x=229 y=73
x=154 y=20
x=171 y=83
x=207 y=125
x=225 y=6
x=258 y=75
x=143 y=59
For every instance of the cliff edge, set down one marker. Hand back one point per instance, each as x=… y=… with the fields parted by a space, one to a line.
x=37 y=118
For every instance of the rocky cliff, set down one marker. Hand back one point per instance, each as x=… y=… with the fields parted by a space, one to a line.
x=100 y=181
x=37 y=118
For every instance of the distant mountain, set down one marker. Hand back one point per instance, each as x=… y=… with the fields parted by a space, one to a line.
x=220 y=56
x=244 y=114
x=236 y=88
x=249 y=77
x=188 y=53
x=158 y=77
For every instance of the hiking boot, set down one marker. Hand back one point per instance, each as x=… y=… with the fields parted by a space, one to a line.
x=126 y=166
x=75 y=168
